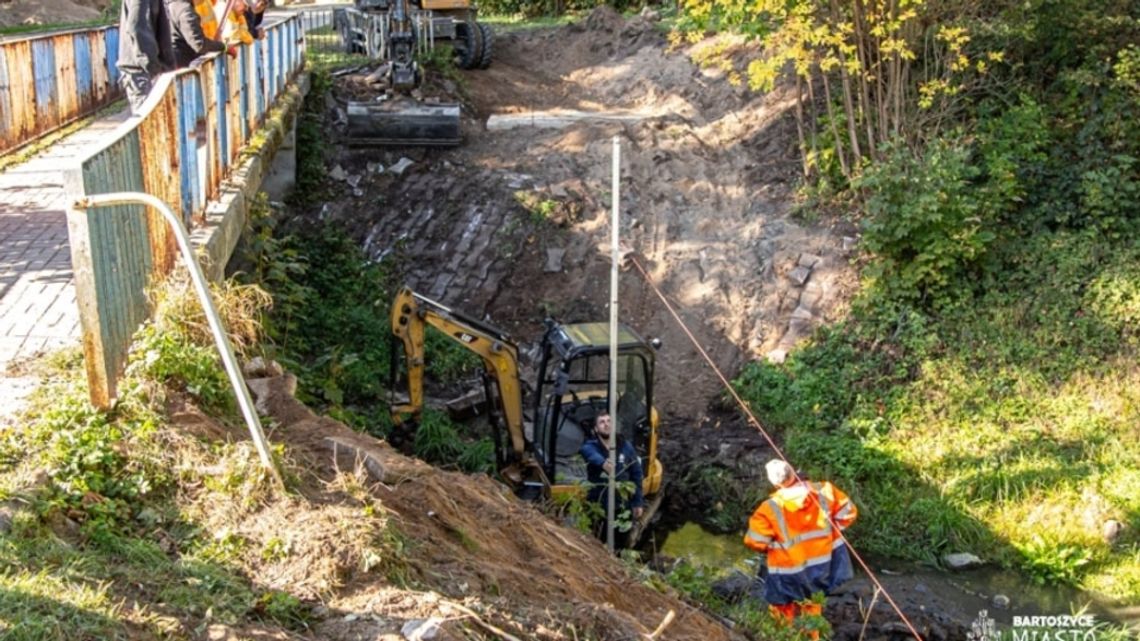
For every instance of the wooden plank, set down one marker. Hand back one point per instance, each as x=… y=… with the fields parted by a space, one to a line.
x=66 y=89
x=6 y=125
x=84 y=78
x=158 y=144
x=47 y=96
x=101 y=88
x=21 y=88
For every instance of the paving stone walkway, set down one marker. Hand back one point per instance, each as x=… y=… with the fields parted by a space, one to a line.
x=37 y=292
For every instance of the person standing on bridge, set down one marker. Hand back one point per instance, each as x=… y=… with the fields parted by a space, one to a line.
x=796 y=527
x=145 y=48
x=194 y=29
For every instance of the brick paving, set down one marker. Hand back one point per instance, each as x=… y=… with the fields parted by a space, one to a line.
x=37 y=292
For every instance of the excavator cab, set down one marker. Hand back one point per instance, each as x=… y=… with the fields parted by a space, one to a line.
x=573 y=389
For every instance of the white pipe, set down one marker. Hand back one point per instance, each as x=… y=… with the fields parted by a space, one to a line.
x=615 y=256
x=221 y=339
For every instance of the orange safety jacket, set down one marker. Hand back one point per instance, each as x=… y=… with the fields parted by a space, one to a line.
x=234 y=29
x=205 y=11
x=805 y=553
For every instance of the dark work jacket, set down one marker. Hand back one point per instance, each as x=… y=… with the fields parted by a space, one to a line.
x=628 y=469
x=253 y=21
x=144 y=38
x=187 y=36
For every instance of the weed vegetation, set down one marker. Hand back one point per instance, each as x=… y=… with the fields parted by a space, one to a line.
x=981 y=395
x=132 y=524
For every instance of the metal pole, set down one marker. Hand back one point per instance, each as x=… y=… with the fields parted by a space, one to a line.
x=615 y=257
x=221 y=339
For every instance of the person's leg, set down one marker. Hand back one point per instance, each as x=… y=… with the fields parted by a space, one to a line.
x=783 y=613
x=810 y=608
x=136 y=85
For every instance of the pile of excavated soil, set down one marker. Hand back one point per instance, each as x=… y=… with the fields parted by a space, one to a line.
x=469 y=543
x=48 y=12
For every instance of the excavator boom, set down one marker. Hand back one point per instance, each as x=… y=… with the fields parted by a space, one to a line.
x=412 y=313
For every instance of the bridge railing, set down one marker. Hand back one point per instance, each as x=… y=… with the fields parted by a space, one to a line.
x=186 y=141
x=71 y=75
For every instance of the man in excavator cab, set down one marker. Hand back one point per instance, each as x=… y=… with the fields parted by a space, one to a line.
x=631 y=501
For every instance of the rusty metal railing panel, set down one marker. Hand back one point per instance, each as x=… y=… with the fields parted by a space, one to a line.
x=112 y=262
x=47 y=82
x=187 y=141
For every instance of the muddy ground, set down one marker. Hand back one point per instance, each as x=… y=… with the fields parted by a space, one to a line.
x=512 y=225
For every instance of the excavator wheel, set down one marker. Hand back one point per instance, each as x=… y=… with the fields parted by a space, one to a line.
x=488 y=46
x=471 y=51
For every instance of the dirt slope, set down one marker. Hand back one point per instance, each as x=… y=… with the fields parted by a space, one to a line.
x=470 y=542
x=706 y=192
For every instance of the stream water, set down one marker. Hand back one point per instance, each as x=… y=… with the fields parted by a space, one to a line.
x=961 y=595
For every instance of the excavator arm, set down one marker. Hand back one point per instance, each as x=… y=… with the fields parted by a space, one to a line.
x=411 y=313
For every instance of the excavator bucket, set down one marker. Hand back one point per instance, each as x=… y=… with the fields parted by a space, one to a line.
x=403 y=123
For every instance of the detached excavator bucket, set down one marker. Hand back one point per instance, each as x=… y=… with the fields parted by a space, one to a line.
x=403 y=123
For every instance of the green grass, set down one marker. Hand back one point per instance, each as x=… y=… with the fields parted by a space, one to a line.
x=1006 y=427
x=35 y=29
x=506 y=23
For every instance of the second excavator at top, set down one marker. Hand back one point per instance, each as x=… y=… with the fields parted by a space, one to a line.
x=394 y=32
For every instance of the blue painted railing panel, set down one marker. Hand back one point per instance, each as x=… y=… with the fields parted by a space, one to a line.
x=43 y=70
x=47 y=82
x=84 y=78
x=180 y=133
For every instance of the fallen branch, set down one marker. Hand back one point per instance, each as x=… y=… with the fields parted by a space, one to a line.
x=661 y=627
x=483 y=624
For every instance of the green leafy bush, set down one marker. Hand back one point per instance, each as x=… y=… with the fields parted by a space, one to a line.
x=924 y=222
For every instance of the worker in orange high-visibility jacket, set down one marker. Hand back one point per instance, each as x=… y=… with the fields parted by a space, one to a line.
x=232 y=23
x=805 y=553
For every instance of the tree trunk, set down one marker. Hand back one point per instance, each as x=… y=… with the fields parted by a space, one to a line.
x=845 y=80
x=834 y=128
x=862 y=45
x=800 y=126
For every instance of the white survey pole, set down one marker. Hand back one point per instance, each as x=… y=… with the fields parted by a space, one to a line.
x=615 y=258
x=221 y=339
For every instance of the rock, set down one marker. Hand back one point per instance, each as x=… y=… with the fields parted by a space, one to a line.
x=259 y=367
x=799 y=275
x=850 y=243
x=802 y=313
x=421 y=629
x=554 y=257
x=401 y=166
x=733 y=587
x=1111 y=531
x=338 y=173
x=1000 y=601
x=357 y=193
x=353 y=180
x=961 y=561
x=777 y=356
x=808 y=260
x=895 y=627
x=375 y=168
x=352 y=616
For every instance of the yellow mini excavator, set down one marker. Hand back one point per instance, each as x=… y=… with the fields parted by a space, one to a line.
x=394 y=31
x=538 y=454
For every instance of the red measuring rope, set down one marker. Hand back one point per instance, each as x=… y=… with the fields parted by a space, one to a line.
x=755 y=422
